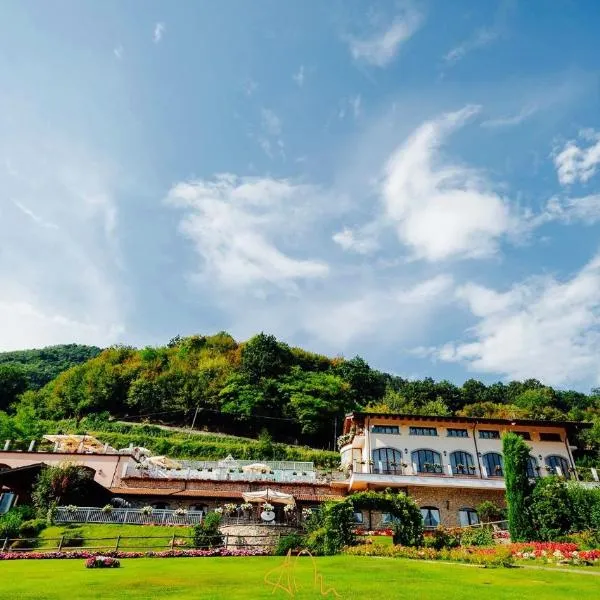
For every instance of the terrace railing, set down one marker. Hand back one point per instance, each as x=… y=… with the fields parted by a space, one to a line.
x=126 y=516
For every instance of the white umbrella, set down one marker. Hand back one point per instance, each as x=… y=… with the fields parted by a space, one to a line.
x=163 y=462
x=256 y=468
x=269 y=495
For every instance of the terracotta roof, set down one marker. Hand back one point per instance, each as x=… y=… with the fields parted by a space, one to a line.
x=132 y=491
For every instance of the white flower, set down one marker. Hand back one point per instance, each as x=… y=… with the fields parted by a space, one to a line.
x=306 y=512
x=219 y=510
x=246 y=506
x=288 y=508
x=267 y=507
x=147 y=510
x=180 y=511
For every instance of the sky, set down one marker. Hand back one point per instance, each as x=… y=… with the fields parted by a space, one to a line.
x=415 y=182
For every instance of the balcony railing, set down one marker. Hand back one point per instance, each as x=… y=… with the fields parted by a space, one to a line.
x=126 y=516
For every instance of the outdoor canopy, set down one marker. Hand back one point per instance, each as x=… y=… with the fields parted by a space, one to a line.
x=269 y=495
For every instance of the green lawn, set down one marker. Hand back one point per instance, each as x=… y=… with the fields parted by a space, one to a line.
x=48 y=537
x=234 y=578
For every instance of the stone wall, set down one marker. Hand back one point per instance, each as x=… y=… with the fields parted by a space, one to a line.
x=447 y=500
x=263 y=536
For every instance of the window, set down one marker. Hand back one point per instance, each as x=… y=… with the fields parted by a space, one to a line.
x=386 y=519
x=394 y=429
x=462 y=463
x=427 y=461
x=489 y=434
x=533 y=470
x=4 y=467
x=423 y=431
x=457 y=433
x=160 y=505
x=6 y=501
x=468 y=516
x=550 y=437
x=524 y=434
x=387 y=460
x=200 y=508
x=494 y=464
x=431 y=516
x=358 y=517
x=554 y=462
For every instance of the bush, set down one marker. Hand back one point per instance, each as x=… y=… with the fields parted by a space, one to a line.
x=551 y=509
x=442 y=538
x=207 y=534
x=489 y=512
x=72 y=538
x=477 y=536
x=289 y=543
x=102 y=562
x=32 y=528
x=10 y=524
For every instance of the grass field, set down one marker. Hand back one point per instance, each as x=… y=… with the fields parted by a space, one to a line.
x=48 y=537
x=235 y=578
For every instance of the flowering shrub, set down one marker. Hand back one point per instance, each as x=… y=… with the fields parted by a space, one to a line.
x=288 y=508
x=229 y=509
x=107 y=508
x=376 y=532
x=257 y=551
x=102 y=562
x=147 y=510
x=219 y=510
x=307 y=512
x=246 y=506
x=181 y=512
x=71 y=508
x=268 y=507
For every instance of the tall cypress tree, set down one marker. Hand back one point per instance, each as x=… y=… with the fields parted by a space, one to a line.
x=518 y=487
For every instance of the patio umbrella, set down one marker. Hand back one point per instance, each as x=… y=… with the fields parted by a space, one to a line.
x=163 y=462
x=256 y=468
x=269 y=495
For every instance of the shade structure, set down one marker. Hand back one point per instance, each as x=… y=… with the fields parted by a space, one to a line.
x=163 y=462
x=79 y=443
x=256 y=468
x=269 y=495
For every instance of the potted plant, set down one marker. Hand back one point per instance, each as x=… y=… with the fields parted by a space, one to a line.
x=147 y=510
x=71 y=509
x=107 y=508
x=181 y=512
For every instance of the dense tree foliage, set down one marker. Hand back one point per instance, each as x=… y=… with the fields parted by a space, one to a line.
x=41 y=366
x=518 y=487
x=262 y=383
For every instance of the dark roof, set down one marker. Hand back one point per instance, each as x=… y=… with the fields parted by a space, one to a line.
x=570 y=425
x=19 y=471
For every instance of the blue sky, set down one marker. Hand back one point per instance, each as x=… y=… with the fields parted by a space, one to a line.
x=414 y=182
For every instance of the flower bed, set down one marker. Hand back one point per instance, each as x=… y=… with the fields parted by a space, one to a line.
x=555 y=552
x=102 y=562
x=486 y=557
x=161 y=554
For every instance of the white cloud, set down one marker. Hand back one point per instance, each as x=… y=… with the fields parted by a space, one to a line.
x=361 y=242
x=118 y=52
x=352 y=106
x=543 y=328
x=441 y=210
x=270 y=138
x=238 y=226
x=511 y=120
x=159 y=30
x=381 y=47
x=271 y=122
x=584 y=210
x=62 y=286
x=299 y=76
x=577 y=163
x=481 y=38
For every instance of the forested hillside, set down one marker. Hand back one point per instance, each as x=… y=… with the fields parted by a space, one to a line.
x=32 y=369
x=298 y=396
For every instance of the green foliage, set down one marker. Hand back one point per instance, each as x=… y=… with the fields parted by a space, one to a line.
x=72 y=537
x=518 y=487
x=477 y=536
x=32 y=528
x=263 y=356
x=10 y=524
x=441 y=537
x=489 y=512
x=13 y=382
x=207 y=534
x=551 y=509
x=61 y=484
x=289 y=543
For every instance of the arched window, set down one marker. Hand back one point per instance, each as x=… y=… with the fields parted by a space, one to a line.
x=160 y=505
x=468 y=516
x=494 y=464
x=427 y=461
x=431 y=516
x=533 y=470
x=387 y=460
x=554 y=461
x=4 y=467
x=200 y=508
x=462 y=463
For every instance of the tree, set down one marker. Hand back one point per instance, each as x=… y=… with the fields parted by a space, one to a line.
x=13 y=382
x=264 y=356
x=367 y=384
x=551 y=509
x=518 y=487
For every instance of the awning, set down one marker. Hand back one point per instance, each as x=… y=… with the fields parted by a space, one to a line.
x=79 y=443
x=269 y=495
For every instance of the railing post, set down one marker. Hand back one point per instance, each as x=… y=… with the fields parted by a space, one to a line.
x=125 y=517
x=6 y=445
x=595 y=474
x=117 y=544
x=60 y=543
x=87 y=516
x=31 y=446
x=5 y=544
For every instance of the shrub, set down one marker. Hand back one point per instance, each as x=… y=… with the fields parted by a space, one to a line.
x=289 y=543
x=206 y=534
x=32 y=528
x=489 y=512
x=442 y=537
x=477 y=536
x=72 y=538
x=102 y=562
x=551 y=509
x=10 y=524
